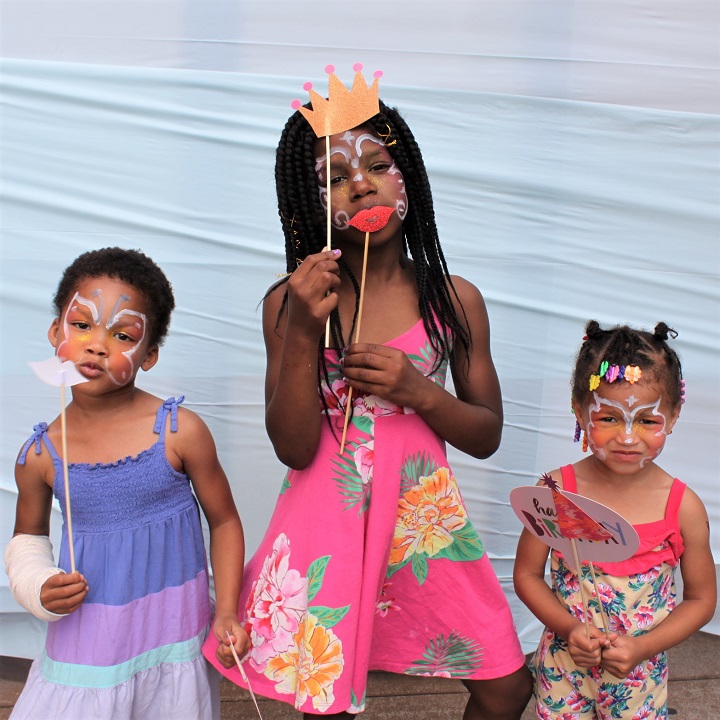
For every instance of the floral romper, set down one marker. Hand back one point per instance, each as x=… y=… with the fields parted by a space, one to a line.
x=636 y=595
x=370 y=562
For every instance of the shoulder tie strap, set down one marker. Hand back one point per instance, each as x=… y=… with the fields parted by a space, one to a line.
x=39 y=431
x=169 y=406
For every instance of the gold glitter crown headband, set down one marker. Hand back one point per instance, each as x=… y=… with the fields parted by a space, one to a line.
x=343 y=109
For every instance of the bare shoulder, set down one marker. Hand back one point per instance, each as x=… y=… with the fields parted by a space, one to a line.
x=37 y=468
x=190 y=423
x=468 y=294
x=692 y=509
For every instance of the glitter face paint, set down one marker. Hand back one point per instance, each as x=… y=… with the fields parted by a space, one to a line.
x=101 y=341
x=359 y=162
x=629 y=436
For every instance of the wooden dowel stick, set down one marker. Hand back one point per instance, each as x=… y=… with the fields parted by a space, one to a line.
x=243 y=675
x=603 y=616
x=328 y=241
x=357 y=336
x=66 y=478
x=582 y=589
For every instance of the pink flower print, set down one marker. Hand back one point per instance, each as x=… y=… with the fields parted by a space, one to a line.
x=649 y=576
x=276 y=605
x=568 y=716
x=570 y=581
x=576 y=701
x=578 y=611
x=607 y=593
x=543 y=712
x=643 y=713
x=336 y=396
x=374 y=405
x=384 y=605
x=665 y=587
x=643 y=617
x=620 y=623
x=364 y=457
x=637 y=677
x=604 y=698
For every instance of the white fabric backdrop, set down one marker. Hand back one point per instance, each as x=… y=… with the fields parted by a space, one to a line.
x=574 y=157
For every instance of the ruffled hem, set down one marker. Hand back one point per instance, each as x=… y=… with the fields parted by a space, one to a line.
x=183 y=691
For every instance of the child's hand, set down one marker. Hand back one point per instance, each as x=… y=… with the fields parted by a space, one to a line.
x=64 y=593
x=386 y=372
x=622 y=655
x=586 y=652
x=223 y=625
x=310 y=299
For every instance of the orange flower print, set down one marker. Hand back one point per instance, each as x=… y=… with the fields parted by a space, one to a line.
x=309 y=668
x=427 y=515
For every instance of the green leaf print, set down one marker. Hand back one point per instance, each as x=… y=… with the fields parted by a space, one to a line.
x=349 y=482
x=466 y=545
x=392 y=569
x=364 y=423
x=357 y=705
x=420 y=567
x=285 y=483
x=327 y=617
x=454 y=656
x=315 y=575
x=415 y=467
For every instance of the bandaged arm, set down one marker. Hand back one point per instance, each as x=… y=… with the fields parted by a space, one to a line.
x=29 y=562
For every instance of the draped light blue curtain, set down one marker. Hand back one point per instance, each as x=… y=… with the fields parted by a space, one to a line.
x=573 y=152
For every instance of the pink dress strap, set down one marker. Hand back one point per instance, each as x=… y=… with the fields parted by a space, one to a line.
x=569 y=482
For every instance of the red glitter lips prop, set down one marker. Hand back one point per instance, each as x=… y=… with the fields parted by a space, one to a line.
x=373 y=219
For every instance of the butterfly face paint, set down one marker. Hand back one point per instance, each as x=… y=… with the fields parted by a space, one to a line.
x=626 y=431
x=103 y=329
x=362 y=174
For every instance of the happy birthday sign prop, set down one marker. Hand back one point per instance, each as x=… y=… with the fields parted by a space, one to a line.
x=61 y=374
x=582 y=529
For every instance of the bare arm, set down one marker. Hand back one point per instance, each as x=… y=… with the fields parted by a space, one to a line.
x=195 y=449
x=472 y=421
x=699 y=596
x=292 y=410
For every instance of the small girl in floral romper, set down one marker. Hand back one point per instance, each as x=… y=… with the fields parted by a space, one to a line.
x=627 y=392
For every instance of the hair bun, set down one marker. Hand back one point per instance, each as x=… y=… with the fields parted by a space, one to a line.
x=663 y=332
x=593 y=329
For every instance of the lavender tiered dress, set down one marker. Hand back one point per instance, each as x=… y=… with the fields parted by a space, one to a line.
x=132 y=650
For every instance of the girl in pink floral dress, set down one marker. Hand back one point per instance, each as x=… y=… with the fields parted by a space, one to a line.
x=627 y=392
x=370 y=561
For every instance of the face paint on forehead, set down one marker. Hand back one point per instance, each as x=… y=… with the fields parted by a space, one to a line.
x=629 y=417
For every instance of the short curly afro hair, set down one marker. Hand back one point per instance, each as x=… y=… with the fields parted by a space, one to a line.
x=131 y=267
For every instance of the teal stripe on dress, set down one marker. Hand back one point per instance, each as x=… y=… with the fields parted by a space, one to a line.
x=91 y=676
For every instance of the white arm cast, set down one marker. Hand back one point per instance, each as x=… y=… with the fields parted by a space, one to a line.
x=29 y=563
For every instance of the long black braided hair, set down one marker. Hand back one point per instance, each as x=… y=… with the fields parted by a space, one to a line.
x=303 y=221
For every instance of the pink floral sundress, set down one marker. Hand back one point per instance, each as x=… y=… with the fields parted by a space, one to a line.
x=370 y=562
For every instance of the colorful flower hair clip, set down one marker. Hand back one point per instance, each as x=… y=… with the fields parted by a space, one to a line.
x=613 y=373
x=594 y=382
x=682 y=392
x=632 y=374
